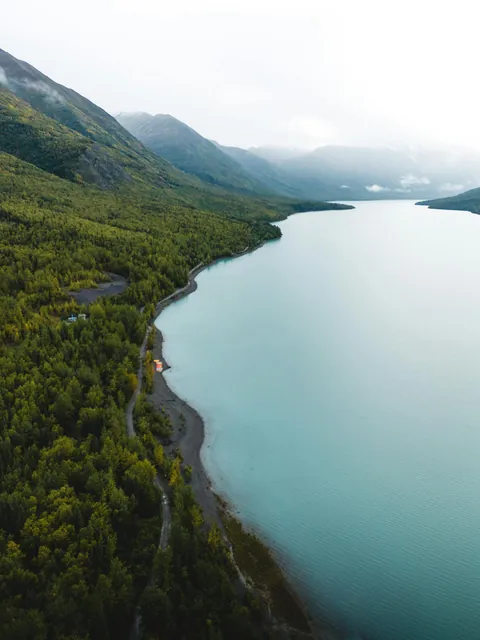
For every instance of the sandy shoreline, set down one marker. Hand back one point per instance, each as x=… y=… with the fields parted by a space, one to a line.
x=189 y=434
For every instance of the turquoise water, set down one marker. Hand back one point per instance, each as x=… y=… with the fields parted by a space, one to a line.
x=338 y=371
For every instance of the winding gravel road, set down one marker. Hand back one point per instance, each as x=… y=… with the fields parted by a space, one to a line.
x=159 y=482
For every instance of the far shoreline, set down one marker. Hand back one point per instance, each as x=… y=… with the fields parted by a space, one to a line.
x=189 y=436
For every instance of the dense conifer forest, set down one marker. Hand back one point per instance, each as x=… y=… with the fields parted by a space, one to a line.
x=80 y=515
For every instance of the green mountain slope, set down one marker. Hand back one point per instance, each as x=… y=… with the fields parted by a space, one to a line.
x=33 y=137
x=468 y=201
x=189 y=151
x=59 y=131
x=270 y=175
x=79 y=513
x=110 y=154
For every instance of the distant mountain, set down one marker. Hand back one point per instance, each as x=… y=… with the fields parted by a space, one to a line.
x=61 y=132
x=279 y=178
x=272 y=176
x=187 y=150
x=468 y=201
x=355 y=172
x=342 y=172
x=327 y=173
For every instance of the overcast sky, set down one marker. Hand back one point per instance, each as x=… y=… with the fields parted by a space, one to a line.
x=253 y=72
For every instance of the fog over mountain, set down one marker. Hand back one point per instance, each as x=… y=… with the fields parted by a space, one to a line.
x=330 y=172
x=341 y=101
x=247 y=73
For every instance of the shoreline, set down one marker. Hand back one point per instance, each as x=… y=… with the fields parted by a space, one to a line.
x=188 y=425
x=189 y=435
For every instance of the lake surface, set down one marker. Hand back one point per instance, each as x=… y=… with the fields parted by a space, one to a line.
x=338 y=372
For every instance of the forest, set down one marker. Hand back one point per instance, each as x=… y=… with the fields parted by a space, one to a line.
x=79 y=513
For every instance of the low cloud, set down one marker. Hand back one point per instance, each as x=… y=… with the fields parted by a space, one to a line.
x=344 y=186
x=3 y=78
x=312 y=131
x=410 y=180
x=41 y=88
x=35 y=86
x=449 y=187
x=376 y=188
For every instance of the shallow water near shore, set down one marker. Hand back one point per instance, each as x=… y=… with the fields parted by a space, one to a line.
x=338 y=371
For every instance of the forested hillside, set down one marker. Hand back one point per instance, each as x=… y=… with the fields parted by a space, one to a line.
x=105 y=154
x=80 y=515
x=468 y=201
x=60 y=131
x=78 y=509
x=189 y=151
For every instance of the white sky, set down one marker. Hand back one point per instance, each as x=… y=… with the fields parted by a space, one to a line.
x=253 y=72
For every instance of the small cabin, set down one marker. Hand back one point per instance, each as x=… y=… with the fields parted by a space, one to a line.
x=72 y=319
x=82 y=316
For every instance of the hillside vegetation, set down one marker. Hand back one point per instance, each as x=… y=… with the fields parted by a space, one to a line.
x=78 y=511
x=468 y=201
x=272 y=176
x=230 y=168
x=62 y=132
x=106 y=155
x=189 y=151
x=36 y=138
x=329 y=172
x=80 y=515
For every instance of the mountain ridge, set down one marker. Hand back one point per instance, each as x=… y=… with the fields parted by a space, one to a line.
x=66 y=134
x=330 y=172
x=190 y=152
